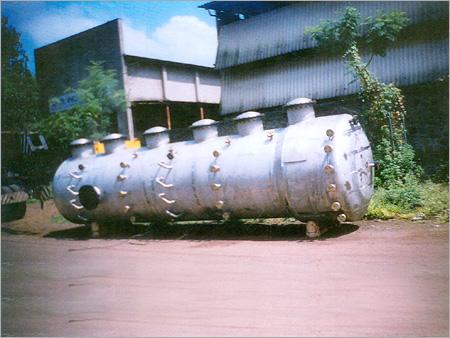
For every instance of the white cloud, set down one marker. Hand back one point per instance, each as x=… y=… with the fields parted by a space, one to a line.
x=137 y=42
x=183 y=38
x=48 y=28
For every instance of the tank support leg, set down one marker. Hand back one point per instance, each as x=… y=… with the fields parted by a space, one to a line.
x=95 y=229
x=313 y=230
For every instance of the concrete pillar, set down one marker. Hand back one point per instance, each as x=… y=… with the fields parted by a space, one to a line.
x=125 y=122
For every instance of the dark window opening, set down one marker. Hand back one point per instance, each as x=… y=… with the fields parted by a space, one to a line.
x=182 y=115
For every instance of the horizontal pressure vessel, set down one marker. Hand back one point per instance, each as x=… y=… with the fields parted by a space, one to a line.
x=317 y=168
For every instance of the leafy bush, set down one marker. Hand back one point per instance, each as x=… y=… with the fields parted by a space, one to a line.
x=62 y=128
x=379 y=208
x=427 y=199
x=406 y=197
x=99 y=100
x=397 y=165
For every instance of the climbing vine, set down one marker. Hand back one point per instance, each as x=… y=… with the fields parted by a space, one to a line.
x=383 y=114
x=384 y=119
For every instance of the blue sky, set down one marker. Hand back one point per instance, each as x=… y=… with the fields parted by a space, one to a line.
x=170 y=30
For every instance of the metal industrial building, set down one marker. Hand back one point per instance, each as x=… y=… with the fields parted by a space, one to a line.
x=158 y=92
x=265 y=59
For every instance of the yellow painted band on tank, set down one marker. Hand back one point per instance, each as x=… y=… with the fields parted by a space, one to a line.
x=99 y=148
x=129 y=144
x=133 y=144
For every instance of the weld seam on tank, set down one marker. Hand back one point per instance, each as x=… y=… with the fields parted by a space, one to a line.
x=297 y=111
x=280 y=179
x=194 y=187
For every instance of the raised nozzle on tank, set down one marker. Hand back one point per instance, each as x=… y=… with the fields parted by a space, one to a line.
x=300 y=109
x=156 y=137
x=249 y=123
x=81 y=147
x=113 y=142
x=204 y=129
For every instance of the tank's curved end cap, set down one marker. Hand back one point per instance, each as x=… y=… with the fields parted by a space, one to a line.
x=300 y=101
x=203 y=123
x=80 y=142
x=248 y=115
x=113 y=137
x=155 y=130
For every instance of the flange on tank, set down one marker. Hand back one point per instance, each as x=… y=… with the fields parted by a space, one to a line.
x=317 y=169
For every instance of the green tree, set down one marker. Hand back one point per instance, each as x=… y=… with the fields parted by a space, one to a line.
x=99 y=98
x=383 y=113
x=19 y=91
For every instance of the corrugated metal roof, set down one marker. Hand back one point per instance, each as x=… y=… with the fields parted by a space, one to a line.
x=230 y=11
x=244 y=7
x=281 y=30
x=320 y=77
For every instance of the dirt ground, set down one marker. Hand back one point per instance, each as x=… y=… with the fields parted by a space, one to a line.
x=370 y=278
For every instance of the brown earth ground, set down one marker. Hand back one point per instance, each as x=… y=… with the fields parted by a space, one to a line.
x=369 y=278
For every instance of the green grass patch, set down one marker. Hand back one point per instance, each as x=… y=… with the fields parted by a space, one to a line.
x=425 y=200
x=435 y=200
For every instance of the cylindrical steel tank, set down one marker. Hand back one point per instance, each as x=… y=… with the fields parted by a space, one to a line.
x=317 y=168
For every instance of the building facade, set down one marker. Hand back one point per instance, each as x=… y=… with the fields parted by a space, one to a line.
x=158 y=92
x=266 y=59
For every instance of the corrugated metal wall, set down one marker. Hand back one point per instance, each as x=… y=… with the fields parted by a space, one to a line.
x=282 y=30
x=326 y=77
